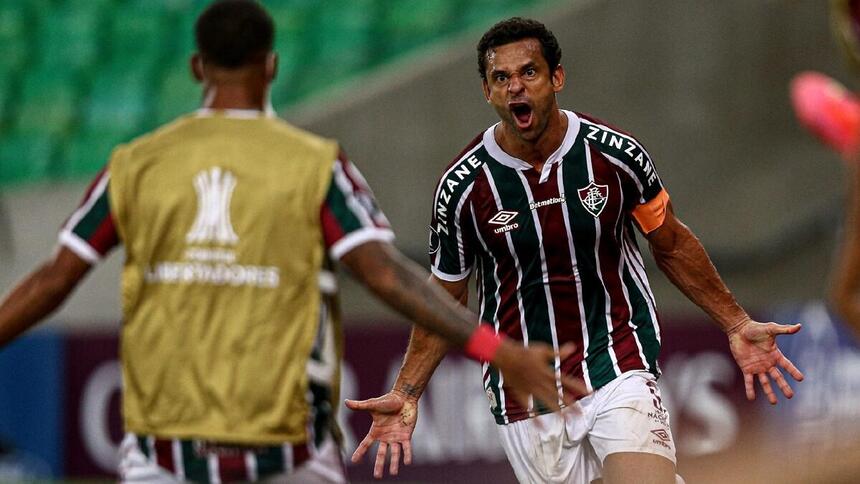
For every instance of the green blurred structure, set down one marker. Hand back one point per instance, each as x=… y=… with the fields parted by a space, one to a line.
x=79 y=76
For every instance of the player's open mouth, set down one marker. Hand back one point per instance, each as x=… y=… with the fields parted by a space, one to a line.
x=522 y=114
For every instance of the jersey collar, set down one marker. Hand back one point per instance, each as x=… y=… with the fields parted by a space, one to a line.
x=234 y=113
x=496 y=151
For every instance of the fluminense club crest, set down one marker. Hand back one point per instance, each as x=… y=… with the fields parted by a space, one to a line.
x=593 y=198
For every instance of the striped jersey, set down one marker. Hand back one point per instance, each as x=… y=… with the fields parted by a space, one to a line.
x=554 y=252
x=230 y=221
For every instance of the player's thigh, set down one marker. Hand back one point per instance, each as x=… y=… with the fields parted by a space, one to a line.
x=632 y=429
x=638 y=468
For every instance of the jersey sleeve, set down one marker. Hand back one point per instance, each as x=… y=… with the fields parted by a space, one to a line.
x=349 y=214
x=451 y=232
x=647 y=198
x=646 y=190
x=90 y=231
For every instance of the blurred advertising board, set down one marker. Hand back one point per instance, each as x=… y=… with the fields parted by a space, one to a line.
x=826 y=413
x=59 y=400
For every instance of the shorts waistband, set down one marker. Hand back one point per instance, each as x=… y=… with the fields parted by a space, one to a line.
x=201 y=460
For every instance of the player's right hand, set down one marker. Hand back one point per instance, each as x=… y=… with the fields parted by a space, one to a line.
x=394 y=417
x=529 y=371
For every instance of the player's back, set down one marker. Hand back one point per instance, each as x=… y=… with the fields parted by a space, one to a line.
x=219 y=214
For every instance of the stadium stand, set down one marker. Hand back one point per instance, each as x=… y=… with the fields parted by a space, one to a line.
x=77 y=77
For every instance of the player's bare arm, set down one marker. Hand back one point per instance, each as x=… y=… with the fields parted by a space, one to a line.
x=426 y=350
x=396 y=413
x=680 y=255
x=404 y=286
x=40 y=293
x=845 y=289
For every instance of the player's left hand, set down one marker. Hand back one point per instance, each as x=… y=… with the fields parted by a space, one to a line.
x=754 y=348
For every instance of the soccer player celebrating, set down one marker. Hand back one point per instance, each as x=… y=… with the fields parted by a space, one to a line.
x=543 y=205
x=229 y=218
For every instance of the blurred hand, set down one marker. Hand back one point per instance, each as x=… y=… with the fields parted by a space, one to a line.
x=394 y=416
x=529 y=371
x=754 y=348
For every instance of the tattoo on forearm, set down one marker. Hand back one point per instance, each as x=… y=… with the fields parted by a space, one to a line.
x=411 y=390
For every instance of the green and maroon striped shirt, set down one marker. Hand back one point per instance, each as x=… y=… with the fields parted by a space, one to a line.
x=555 y=253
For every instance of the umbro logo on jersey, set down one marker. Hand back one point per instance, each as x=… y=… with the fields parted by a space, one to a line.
x=593 y=198
x=214 y=191
x=502 y=218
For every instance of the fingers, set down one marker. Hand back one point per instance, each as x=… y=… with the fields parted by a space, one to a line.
x=566 y=350
x=521 y=398
x=356 y=404
x=394 y=462
x=748 y=384
x=768 y=391
x=378 y=404
x=792 y=370
x=362 y=449
x=407 y=452
x=574 y=388
x=783 y=385
x=379 y=465
x=774 y=329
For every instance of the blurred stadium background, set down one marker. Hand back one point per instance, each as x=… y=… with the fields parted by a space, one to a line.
x=702 y=84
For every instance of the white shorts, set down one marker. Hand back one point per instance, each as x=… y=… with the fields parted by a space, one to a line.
x=626 y=415
x=323 y=466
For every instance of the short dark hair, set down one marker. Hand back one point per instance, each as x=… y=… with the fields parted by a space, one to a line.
x=514 y=29
x=234 y=33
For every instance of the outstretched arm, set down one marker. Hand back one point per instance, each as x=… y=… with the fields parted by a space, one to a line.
x=40 y=293
x=426 y=350
x=396 y=413
x=404 y=286
x=680 y=255
x=845 y=287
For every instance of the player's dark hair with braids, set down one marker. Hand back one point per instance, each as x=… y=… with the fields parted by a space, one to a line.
x=514 y=29
x=234 y=33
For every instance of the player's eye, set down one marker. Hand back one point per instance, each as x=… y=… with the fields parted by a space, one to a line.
x=501 y=77
x=530 y=72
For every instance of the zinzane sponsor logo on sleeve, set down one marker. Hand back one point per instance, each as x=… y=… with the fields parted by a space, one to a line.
x=449 y=184
x=624 y=143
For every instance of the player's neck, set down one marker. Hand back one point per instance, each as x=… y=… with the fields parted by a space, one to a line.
x=534 y=152
x=234 y=96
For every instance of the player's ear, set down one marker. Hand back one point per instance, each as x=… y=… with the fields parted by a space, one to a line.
x=271 y=66
x=558 y=78
x=196 y=64
x=486 y=88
